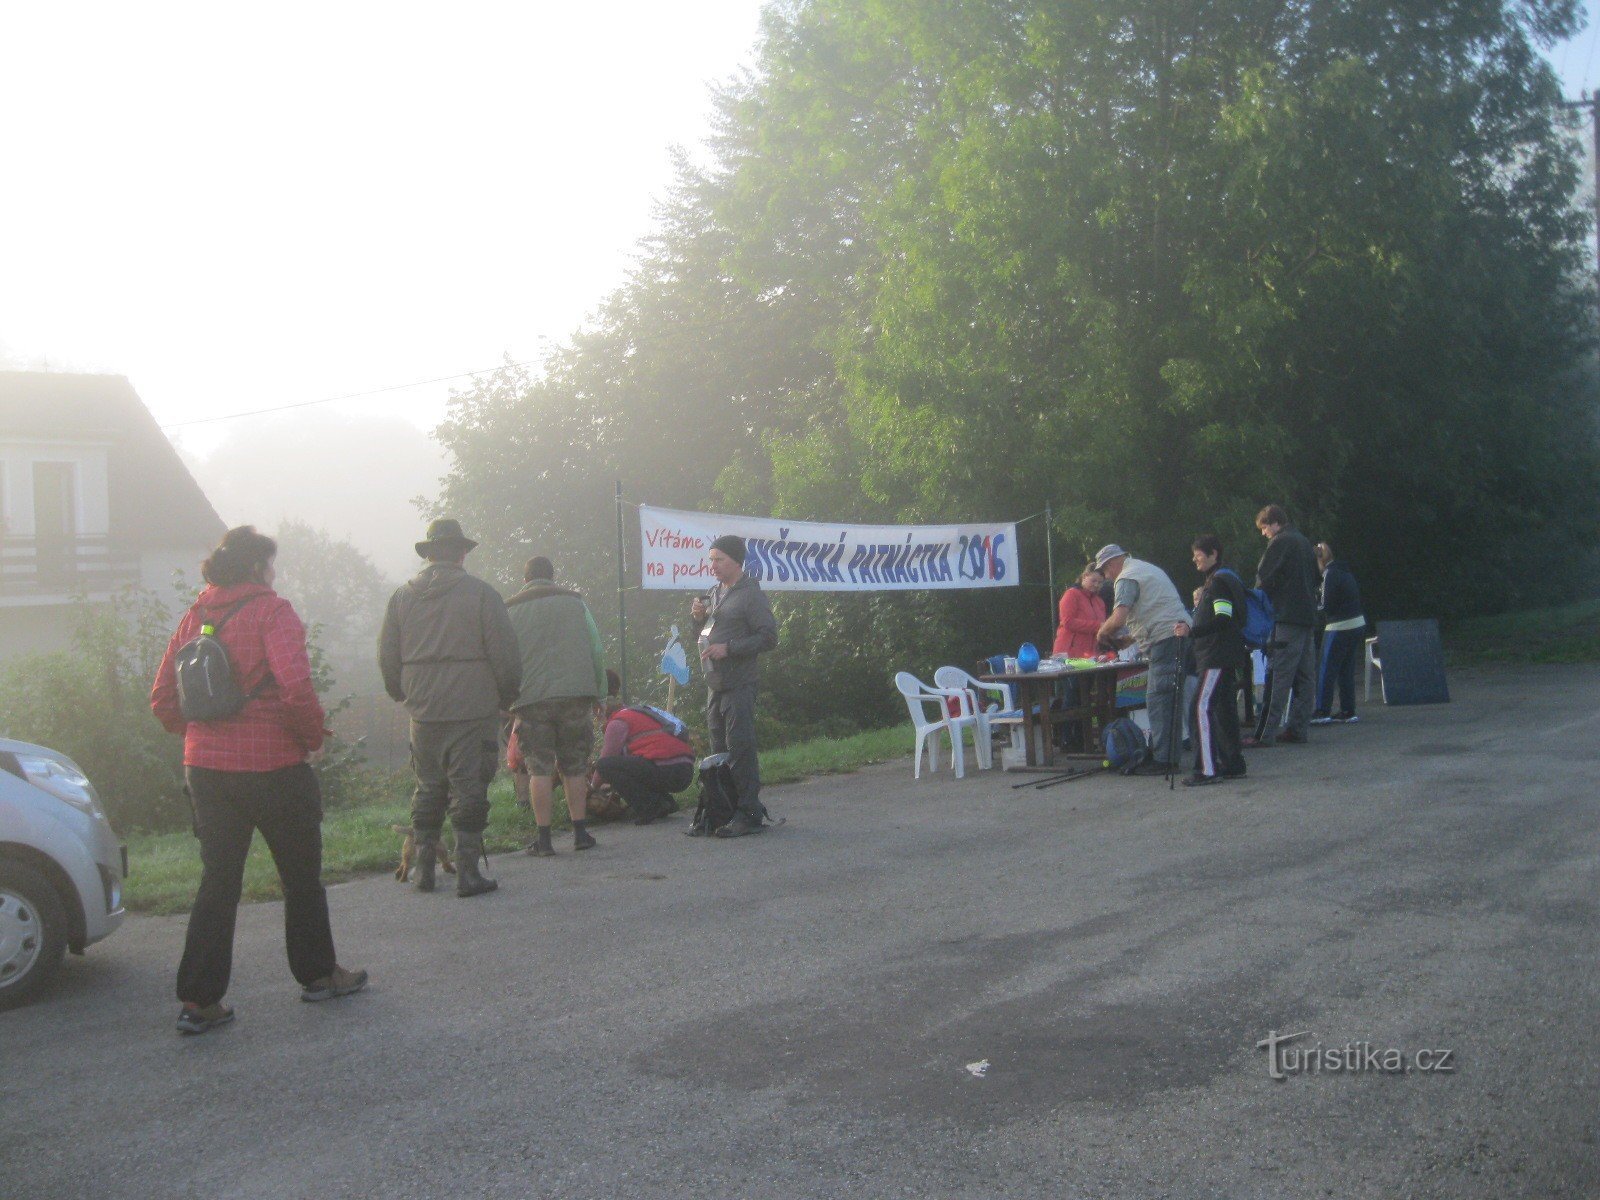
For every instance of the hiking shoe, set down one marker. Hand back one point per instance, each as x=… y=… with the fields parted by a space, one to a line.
x=1255 y=743
x=1345 y=719
x=583 y=840
x=1290 y=738
x=1239 y=774
x=739 y=826
x=696 y=829
x=194 y=1018
x=1323 y=720
x=337 y=983
x=539 y=849
x=1201 y=780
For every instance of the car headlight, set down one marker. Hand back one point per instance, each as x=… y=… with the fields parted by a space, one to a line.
x=62 y=780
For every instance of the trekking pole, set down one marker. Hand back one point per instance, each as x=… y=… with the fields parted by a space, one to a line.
x=1028 y=783
x=1175 y=730
x=1067 y=778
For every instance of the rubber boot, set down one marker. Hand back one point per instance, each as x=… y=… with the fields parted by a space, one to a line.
x=425 y=851
x=470 y=881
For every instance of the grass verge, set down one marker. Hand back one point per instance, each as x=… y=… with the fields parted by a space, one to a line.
x=164 y=869
x=1569 y=633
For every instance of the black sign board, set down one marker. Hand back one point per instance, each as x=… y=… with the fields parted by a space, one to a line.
x=1413 y=662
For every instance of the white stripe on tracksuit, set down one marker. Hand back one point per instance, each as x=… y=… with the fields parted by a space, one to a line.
x=1203 y=735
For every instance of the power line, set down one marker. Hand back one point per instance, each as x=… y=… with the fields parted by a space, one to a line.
x=398 y=387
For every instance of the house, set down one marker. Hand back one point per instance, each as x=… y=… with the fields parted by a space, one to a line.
x=93 y=498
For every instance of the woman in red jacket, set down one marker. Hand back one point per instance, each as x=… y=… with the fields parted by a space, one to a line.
x=1082 y=614
x=643 y=762
x=249 y=771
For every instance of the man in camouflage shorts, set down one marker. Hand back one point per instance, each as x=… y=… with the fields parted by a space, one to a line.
x=563 y=679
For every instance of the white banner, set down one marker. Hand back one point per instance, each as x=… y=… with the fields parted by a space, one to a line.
x=809 y=556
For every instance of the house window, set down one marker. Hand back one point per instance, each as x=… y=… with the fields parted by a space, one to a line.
x=55 y=519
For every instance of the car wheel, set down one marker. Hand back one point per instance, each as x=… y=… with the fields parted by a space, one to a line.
x=33 y=932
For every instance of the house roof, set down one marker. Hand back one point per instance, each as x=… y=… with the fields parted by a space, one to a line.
x=155 y=502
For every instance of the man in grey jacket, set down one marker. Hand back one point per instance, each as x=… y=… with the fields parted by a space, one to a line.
x=733 y=625
x=1148 y=608
x=449 y=654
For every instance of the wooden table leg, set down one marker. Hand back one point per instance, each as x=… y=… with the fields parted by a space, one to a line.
x=1048 y=726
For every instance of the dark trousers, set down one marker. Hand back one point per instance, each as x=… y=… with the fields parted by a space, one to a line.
x=1214 y=717
x=731 y=721
x=454 y=762
x=1340 y=649
x=1291 y=682
x=645 y=786
x=229 y=806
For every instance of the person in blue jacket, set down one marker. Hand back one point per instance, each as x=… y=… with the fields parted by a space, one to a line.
x=1342 y=639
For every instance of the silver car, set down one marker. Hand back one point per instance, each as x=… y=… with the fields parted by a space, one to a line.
x=61 y=867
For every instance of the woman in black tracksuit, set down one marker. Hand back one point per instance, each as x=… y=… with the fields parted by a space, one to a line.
x=1218 y=632
x=1342 y=639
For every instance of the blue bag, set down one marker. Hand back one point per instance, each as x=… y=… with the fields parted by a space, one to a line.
x=673 y=725
x=1124 y=745
x=1258 y=616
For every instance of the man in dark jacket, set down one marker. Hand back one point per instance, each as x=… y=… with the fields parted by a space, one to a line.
x=733 y=625
x=1288 y=574
x=1219 y=652
x=448 y=653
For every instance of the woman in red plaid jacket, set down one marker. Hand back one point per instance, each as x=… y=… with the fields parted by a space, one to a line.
x=250 y=771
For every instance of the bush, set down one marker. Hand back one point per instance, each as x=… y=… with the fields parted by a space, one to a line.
x=92 y=703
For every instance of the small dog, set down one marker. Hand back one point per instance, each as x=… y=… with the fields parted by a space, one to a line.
x=408 y=852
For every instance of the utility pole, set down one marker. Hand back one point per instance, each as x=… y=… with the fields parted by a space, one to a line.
x=1591 y=101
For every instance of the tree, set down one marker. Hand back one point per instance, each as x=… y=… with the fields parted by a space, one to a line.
x=1158 y=264
x=334 y=587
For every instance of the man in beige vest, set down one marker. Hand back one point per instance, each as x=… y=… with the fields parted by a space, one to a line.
x=1148 y=608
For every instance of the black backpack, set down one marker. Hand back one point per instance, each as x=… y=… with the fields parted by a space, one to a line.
x=719 y=795
x=207 y=689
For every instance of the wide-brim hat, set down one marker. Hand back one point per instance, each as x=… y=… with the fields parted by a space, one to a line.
x=444 y=534
x=1107 y=553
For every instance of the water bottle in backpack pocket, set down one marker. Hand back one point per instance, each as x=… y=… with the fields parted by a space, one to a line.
x=207 y=687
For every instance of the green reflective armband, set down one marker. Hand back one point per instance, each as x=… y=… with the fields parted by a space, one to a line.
x=1223 y=608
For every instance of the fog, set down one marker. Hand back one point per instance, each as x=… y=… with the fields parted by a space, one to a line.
x=355 y=477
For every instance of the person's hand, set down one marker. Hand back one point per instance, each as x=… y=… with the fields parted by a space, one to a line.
x=698 y=609
x=1181 y=629
x=1197 y=593
x=717 y=651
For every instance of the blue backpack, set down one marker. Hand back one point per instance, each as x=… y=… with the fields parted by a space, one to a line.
x=1124 y=745
x=1258 y=615
x=673 y=725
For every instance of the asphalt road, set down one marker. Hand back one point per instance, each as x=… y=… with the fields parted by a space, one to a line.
x=793 y=1015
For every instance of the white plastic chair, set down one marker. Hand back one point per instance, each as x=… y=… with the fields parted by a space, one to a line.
x=1372 y=661
x=918 y=696
x=1002 y=711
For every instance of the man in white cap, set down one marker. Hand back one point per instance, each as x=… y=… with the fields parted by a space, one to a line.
x=1148 y=607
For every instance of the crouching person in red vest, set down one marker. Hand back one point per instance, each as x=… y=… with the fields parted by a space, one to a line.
x=643 y=761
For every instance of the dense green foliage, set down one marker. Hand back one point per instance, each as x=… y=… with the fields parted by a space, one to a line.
x=1157 y=264
x=92 y=703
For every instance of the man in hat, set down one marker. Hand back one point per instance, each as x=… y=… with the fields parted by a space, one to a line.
x=1148 y=607
x=449 y=654
x=733 y=625
x=563 y=678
